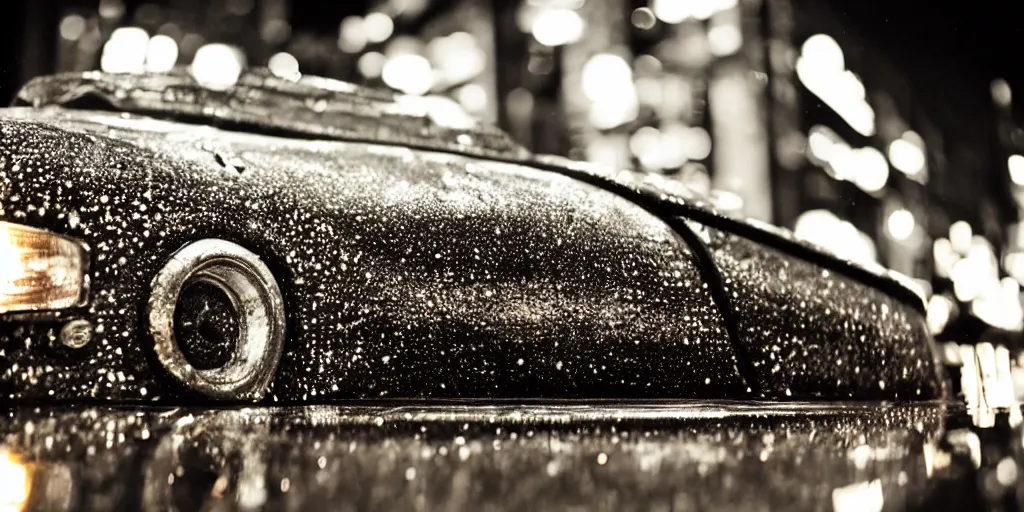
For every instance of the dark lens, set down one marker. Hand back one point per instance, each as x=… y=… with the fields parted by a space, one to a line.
x=206 y=325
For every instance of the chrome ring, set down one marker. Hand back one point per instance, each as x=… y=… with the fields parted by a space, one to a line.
x=255 y=294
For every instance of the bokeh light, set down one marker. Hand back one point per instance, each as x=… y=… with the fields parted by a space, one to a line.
x=377 y=27
x=125 y=51
x=907 y=154
x=409 y=73
x=217 y=66
x=161 y=54
x=900 y=224
x=1015 y=164
x=72 y=27
x=284 y=65
x=557 y=27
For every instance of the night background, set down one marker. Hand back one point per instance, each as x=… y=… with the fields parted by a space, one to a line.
x=889 y=133
x=707 y=92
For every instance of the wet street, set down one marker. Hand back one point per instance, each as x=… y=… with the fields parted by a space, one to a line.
x=665 y=456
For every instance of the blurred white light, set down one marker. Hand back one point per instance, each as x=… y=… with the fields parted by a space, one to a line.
x=1000 y=306
x=463 y=64
x=820 y=146
x=823 y=51
x=557 y=27
x=284 y=65
x=697 y=143
x=647 y=65
x=72 y=27
x=217 y=66
x=666 y=148
x=161 y=54
x=401 y=45
x=607 y=77
x=724 y=39
x=444 y=111
x=125 y=51
x=977 y=273
x=724 y=5
x=370 y=64
x=982 y=248
x=648 y=90
x=15 y=482
x=900 y=224
x=457 y=56
x=940 y=309
x=702 y=9
x=645 y=140
x=473 y=98
x=822 y=69
x=727 y=201
x=945 y=257
x=1014 y=264
x=1015 y=163
x=960 y=235
x=813 y=223
x=606 y=114
x=842 y=162
x=408 y=73
x=1002 y=95
x=859 y=497
x=352 y=34
x=824 y=229
x=906 y=156
x=378 y=27
x=821 y=141
x=643 y=18
x=672 y=11
x=872 y=170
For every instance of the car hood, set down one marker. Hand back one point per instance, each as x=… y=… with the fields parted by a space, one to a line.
x=321 y=108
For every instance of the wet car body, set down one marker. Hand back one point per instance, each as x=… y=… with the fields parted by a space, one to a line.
x=468 y=325
x=421 y=261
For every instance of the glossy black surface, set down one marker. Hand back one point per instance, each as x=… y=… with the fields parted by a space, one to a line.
x=415 y=268
x=804 y=328
x=404 y=273
x=611 y=456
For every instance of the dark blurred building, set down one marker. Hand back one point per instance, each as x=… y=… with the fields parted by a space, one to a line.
x=903 y=158
x=864 y=126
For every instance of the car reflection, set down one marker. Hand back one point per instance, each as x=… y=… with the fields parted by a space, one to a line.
x=668 y=456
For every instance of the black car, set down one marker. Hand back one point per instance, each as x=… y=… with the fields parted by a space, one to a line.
x=302 y=294
x=305 y=241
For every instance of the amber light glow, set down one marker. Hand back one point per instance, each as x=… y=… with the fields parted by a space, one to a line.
x=40 y=270
x=15 y=482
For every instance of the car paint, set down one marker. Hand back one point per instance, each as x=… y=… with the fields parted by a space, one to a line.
x=416 y=263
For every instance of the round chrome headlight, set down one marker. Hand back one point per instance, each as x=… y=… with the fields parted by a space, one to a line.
x=217 y=320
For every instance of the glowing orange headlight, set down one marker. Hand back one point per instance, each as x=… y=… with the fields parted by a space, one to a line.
x=40 y=270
